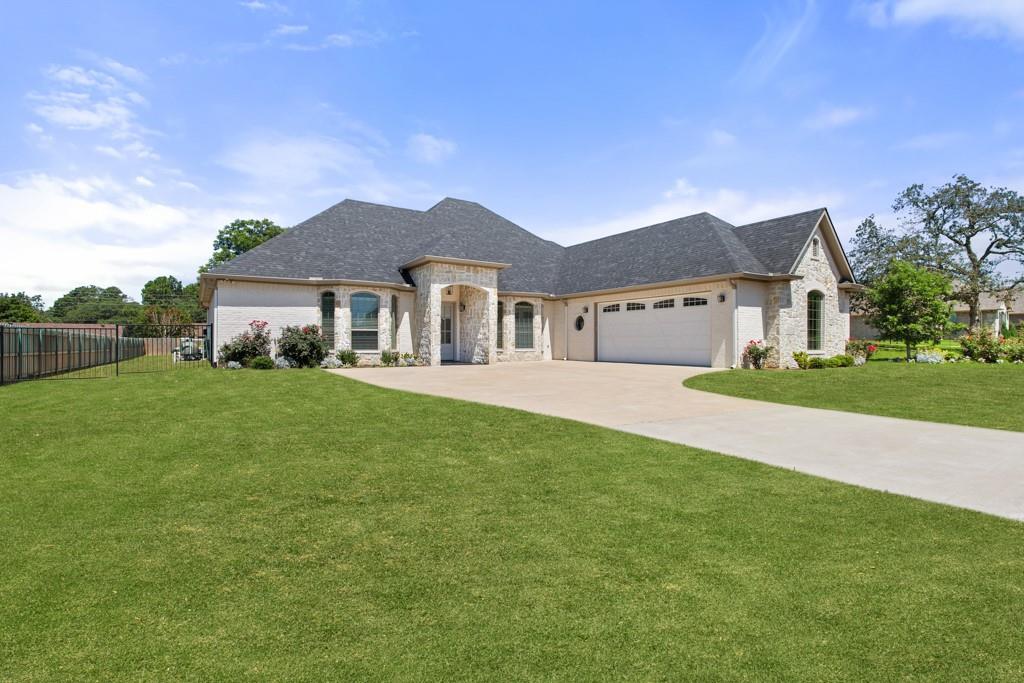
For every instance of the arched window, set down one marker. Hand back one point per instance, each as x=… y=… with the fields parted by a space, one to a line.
x=524 y=325
x=327 y=318
x=814 y=321
x=365 y=309
x=501 y=324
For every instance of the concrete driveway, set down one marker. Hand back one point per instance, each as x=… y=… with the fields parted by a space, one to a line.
x=980 y=469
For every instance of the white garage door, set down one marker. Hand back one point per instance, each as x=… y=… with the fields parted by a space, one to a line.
x=674 y=330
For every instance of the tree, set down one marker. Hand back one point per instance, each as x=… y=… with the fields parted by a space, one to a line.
x=240 y=236
x=971 y=234
x=910 y=305
x=92 y=304
x=166 y=291
x=21 y=308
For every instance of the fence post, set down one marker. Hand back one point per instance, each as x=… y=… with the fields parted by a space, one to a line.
x=117 y=350
x=3 y=354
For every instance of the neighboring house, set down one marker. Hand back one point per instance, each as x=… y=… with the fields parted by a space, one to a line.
x=460 y=283
x=997 y=313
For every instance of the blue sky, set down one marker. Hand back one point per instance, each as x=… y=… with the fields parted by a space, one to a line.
x=132 y=131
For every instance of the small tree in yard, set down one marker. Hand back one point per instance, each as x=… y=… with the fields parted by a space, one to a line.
x=909 y=304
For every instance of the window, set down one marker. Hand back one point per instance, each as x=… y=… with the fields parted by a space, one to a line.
x=580 y=322
x=446 y=330
x=394 y=322
x=327 y=318
x=524 y=325
x=365 y=310
x=611 y=308
x=815 y=247
x=501 y=324
x=814 y=321
x=665 y=303
x=694 y=301
x=634 y=306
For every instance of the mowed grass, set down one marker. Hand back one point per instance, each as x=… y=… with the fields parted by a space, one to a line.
x=972 y=394
x=295 y=525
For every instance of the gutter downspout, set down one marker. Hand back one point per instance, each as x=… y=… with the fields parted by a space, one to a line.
x=735 y=326
x=565 y=330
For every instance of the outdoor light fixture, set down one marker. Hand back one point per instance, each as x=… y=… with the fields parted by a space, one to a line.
x=721 y=298
x=586 y=309
x=462 y=307
x=449 y=292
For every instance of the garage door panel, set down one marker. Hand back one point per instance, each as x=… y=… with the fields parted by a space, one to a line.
x=680 y=335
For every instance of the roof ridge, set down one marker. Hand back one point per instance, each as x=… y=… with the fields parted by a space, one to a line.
x=779 y=218
x=652 y=225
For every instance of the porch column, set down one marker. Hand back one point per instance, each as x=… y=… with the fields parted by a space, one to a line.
x=428 y=320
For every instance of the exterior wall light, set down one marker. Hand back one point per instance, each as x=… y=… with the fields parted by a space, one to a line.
x=721 y=298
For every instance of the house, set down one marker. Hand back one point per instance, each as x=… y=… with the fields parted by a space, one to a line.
x=998 y=312
x=458 y=282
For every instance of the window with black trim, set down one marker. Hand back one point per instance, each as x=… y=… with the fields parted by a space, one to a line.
x=610 y=308
x=814 y=300
x=394 y=322
x=365 y=308
x=694 y=301
x=501 y=324
x=665 y=303
x=635 y=306
x=327 y=318
x=580 y=323
x=524 y=325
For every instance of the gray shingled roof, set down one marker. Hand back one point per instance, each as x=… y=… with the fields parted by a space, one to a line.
x=361 y=241
x=778 y=241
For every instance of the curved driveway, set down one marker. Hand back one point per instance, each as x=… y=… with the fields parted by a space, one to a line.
x=981 y=469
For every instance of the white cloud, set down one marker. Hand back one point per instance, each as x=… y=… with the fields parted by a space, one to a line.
x=129 y=73
x=986 y=18
x=59 y=233
x=342 y=40
x=781 y=34
x=684 y=199
x=280 y=162
x=929 y=141
x=835 y=117
x=143 y=181
x=428 y=149
x=107 y=150
x=259 y=6
x=721 y=138
x=289 y=30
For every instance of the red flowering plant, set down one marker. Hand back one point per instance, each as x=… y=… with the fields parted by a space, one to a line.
x=303 y=346
x=863 y=348
x=252 y=343
x=756 y=353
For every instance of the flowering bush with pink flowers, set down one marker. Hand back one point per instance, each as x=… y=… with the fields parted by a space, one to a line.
x=756 y=352
x=252 y=343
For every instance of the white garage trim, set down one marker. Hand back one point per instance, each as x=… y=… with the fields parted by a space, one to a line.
x=667 y=329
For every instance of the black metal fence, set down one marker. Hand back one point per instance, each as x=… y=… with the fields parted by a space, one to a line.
x=88 y=351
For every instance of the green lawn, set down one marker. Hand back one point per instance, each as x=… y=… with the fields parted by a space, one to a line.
x=970 y=394
x=888 y=351
x=295 y=525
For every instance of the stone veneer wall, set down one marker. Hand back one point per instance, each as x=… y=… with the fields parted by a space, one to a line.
x=541 y=344
x=430 y=279
x=473 y=325
x=786 y=311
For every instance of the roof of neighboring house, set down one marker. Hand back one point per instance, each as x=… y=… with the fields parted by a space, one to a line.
x=367 y=242
x=993 y=302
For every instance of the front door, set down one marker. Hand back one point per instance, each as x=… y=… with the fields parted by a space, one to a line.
x=447 y=330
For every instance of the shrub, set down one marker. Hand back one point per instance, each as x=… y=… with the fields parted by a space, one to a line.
x=756 y=352
x=1013 y=350
x=262 y=363
x=981 y=345
x=864 y=348
x=252 y=343
x=348 y=358
x=234 y=365
x=843 y=360
x=389 y=359
x=929 y=357
x=282 y=363
x=408 y=359
x=818 y=363
x=303 y=345
x=803 y=361
x=331 y=363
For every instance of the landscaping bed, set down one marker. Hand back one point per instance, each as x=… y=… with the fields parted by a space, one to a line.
x=298 y=525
